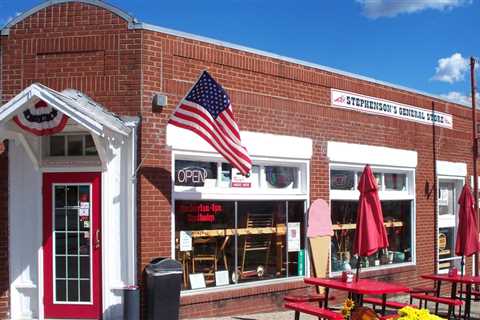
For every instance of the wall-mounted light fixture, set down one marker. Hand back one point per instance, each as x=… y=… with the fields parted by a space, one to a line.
x=159 y=101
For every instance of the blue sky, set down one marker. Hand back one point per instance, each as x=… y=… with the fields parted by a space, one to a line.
x=421 y=44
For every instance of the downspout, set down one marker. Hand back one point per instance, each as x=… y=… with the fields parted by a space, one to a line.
x=132 y=272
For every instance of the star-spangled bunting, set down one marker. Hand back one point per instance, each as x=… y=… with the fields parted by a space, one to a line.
x=206 y=110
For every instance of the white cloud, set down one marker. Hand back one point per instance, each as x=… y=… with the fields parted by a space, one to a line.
x=391 y=8
x=451 y=69
x=456 y=96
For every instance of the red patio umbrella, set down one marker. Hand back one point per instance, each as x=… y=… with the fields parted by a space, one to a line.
x=370 y=233
x=467 y=232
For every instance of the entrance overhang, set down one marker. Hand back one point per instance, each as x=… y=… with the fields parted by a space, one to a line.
x=115 y=139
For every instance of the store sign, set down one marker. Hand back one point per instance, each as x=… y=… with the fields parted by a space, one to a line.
x=361 y=103
x=191 y=176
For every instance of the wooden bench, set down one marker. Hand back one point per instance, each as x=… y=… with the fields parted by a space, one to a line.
x=313 y=310
x=389 y=304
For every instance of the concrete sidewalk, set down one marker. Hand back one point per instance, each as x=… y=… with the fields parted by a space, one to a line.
x=289 y=315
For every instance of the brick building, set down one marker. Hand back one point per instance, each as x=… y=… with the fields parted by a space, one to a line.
x=80 y=222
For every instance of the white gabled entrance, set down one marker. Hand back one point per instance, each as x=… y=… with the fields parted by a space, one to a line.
x=40 y=288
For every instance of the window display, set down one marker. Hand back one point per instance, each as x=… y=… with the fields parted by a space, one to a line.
x=228 y=242
x=397 y=219
x=397 y=214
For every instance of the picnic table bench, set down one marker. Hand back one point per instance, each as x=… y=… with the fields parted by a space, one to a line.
x=301 y=307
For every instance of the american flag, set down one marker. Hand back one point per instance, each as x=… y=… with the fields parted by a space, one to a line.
x=206 y=110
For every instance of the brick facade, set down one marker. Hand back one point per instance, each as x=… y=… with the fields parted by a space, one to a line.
x=81 y=46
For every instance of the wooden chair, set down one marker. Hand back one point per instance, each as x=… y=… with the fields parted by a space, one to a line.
x=205 y=254
x=257 y=243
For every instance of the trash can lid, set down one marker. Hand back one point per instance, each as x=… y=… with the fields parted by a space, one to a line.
x=164 y=265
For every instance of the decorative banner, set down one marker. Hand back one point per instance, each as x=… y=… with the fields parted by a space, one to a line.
x=358 y=102
x=41 y=120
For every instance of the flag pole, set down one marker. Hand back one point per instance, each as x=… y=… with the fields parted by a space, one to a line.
x=475 y=151
x=134 y=176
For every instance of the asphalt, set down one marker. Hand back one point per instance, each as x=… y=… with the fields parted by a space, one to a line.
x=289 y=315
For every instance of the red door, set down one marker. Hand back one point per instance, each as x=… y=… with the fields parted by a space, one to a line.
x=71 y=245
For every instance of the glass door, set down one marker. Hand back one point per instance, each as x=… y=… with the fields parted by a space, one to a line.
x=448 y=193
x=72 y=245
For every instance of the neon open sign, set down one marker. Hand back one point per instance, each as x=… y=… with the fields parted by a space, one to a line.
x=191 y=176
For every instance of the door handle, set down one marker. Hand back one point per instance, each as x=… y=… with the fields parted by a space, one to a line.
x=97 y=239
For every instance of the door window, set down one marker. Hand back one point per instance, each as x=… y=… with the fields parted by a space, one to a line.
x=448 y=193
x=72 y=245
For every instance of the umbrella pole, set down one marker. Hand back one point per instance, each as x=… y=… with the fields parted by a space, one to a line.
x=358 y=269
x=462 y=264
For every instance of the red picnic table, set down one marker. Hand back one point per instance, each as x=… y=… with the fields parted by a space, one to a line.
x=454 y=280
x=360 y=288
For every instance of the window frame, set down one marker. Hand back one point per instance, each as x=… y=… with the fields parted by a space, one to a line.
x=217 y=193
x=384 y=195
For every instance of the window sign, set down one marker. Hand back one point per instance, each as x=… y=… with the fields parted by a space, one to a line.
x=201 y=212
x=221 y=278
x=185 y=241
x=281 y=177
x=239 y=180
x=197 y=281
x=293 y=236
x=342 y=180
x=194 y=173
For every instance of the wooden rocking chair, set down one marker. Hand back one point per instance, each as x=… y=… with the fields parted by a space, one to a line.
x=256 y=242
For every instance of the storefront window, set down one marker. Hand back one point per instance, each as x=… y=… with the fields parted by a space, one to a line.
x=210 y=174
x=397 y=218
x=222 y=243
x=397 y=215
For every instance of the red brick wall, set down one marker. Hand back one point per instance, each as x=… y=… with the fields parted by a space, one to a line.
x=71 y=45
x=282 y=98
x=81 y=46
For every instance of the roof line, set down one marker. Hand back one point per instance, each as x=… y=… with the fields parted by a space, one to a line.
x=5 y=30
x=146 y=26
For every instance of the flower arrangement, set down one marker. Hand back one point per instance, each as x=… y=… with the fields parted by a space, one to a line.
x=347 y=308
x=409 y=313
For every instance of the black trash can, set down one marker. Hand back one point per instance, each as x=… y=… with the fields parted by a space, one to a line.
x=131 y=303
x=163 y=283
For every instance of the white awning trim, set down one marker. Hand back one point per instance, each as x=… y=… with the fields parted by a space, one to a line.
x=257 y=144
x=364 y=154
x=447 y=168
x=72 y=103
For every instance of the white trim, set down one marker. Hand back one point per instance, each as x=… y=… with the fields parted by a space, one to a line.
x=408 y=195
x=447 y=168
x=257 y=144
x=364 y=154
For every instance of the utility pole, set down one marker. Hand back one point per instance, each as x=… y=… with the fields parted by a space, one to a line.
x=475 y=150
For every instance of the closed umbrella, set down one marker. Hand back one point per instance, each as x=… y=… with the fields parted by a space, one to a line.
x=370 y=233
x=467 y=232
